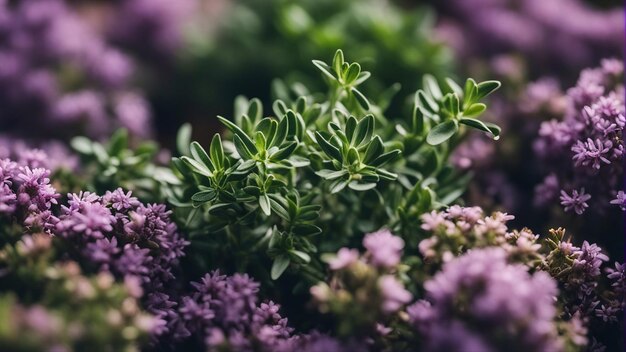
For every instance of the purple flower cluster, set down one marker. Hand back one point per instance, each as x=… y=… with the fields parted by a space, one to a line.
x=57 y=72
x=364 y=291
x=579 y=273
x=479 y=302
x=559 y=33
x=117 y=233
x=587 y=144
x=52 y=155
x=26 y=195
x=457 y=229
x=224 y=312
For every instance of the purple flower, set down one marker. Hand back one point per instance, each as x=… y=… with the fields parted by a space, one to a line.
x=577 y=201
x=41 y=42
x=591 y=152
x=384 y=248
x=344 y=258
x=223 y=311
x=481 y=298
x=394 y=294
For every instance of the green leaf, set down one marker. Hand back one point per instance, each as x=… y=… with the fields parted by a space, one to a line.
x=204 y=196
x=364 y=130
x=305 y=258
x=118 y=142
x=469 y=92
x=494 y=129
x=338 y=61
x=326 y=70
x=259 y=141
x=427 y=101
x=474 y=123
x=353 y=73
x=474 y=110
x=418 y=123
x=279 y=266
x=485 y=88
x=279 y=108
x=255 y=109
x=279 y=209
x=353 y=156
x=361 y=99
x=431 y=86
x=454 y=87
x=264 y=203
x=385 y=158
x=374 y=149
x=328 y=148
x=239 y=132
x=330 y=174
x=350 y=127
x=217 y=151
x=183 y=139
x=451 y=104
x=306 y=230
x=242 y=149
x=82 y=145
x=301 y=104
x=442 y=132
x=285 y=152
x=197 y=167
x=361 y=186
x=199 y=154
x=338 y=185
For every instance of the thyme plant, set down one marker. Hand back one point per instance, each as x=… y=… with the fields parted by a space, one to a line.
x=317 y=170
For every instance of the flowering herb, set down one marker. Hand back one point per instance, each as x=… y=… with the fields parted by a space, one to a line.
x=280 y=180
x=364 y=291
x=587 y=144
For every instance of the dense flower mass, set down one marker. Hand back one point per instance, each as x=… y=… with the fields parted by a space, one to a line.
x=457 y=229
x=57 y=73
x=224 y=312
x=480 y=300
x=587 y=144
x=536 y=29
x=117 y=233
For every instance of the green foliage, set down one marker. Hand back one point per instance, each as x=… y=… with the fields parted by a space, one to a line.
x=118 y=163
x=317 y=171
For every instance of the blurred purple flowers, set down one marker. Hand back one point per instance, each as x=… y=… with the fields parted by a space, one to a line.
x=482 y=301
x=57 y=72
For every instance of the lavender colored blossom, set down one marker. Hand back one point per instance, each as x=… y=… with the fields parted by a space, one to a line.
x=118 y=233
x=565 y=34
x=458 y=229
x=223 y=312
x=384 y=248
x=27 y=195
x=491 y=304
x=587 y=144
x=59 y=74
x=579 y=273
x=344 y=258
x=577 y=201
x=394 y=294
